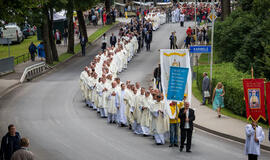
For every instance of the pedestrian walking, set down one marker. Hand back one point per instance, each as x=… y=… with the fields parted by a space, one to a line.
x=41 y=51
x=65 y=36
x=32 y=50
x=187 y=41
x=205 y=88
x=189 y=31
x=83 y=44
x=218 y=98
x=58 y=37
x=10 y=143
x=104 y=17
x=23 y=153
x=182 y=19
x=174 y=124
x=187 y=116
x=254 y=137
x=157 y=76
x=113 y=40
x=104 y=42
x=173 y=41
x=147 y=40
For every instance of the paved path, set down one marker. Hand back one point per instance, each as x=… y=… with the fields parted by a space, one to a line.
x=51 y=112
x=12 y=79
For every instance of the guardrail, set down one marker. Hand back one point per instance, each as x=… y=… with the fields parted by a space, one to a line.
x=34 y=70
x=23 y=58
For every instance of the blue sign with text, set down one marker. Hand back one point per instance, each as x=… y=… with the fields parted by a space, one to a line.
x=177 y=83
x=200 y=49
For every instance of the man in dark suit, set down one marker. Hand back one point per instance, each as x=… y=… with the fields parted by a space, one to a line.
x=83 y=44
x=113 y=40
x=187 y=117
x=147 y=40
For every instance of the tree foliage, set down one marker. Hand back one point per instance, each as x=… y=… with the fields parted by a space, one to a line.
x=243 y=38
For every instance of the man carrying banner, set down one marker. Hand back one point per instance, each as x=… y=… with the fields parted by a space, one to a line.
x=254 y=137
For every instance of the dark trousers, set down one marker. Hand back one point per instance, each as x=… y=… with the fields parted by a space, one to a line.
x=186 y=134
x=173 y=133
x=83 y=50
x=252 y=157
x=171 y=46
x=182 y=24
x=32 y=56
x=147 y=46
x=139 y=45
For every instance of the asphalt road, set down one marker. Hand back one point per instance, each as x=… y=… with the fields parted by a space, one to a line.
x=50 y=111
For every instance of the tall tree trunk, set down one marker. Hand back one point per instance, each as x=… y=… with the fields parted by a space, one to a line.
x=82 y=25
x=70 y=8
x=51 y=36
x=45 y=36
x=226 y=9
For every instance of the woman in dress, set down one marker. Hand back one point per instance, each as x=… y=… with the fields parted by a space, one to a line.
x=218 y=98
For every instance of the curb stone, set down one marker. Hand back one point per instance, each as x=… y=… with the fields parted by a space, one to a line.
x=10 y=88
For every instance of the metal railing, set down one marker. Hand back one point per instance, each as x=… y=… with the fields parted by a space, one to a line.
x=34 y=70
x=23 y=58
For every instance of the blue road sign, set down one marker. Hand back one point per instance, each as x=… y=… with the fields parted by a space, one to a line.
x=200 y=49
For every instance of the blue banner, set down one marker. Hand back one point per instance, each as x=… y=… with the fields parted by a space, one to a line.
x=200 y=49
x=177 y=83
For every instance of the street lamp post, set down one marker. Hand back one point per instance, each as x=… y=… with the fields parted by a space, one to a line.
x=195 y=20
x=212 y=42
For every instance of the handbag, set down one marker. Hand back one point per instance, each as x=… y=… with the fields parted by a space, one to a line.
x=206 y=94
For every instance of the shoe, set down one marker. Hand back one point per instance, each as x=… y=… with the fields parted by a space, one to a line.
x=188 y=151
x=219 y=116
x=171 y=145
x=202 y=104
x=158 y=144
x=181 y=149
x=176 y=145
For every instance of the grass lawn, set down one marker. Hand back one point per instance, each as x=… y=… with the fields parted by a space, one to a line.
x=100 y=32
x=204 y=58
x=77 y=48
x=18 y=49
x=198 y=94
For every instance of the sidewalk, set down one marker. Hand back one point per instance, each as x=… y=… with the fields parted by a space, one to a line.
x=206 y=119
x=12 y=79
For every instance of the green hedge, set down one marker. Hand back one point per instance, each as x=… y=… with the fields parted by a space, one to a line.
x=232 y=81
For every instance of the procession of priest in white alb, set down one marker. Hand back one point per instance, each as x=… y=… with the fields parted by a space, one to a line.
x=128 y=105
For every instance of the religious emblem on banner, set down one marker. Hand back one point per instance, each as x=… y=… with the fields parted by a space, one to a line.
x=254 y=96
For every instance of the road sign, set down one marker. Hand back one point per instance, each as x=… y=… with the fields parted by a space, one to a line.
x=200 y=49
x=211 y=16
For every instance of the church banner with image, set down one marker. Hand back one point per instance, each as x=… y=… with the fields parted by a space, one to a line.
x=175 y=58
x=268 y=100
x=254 y=97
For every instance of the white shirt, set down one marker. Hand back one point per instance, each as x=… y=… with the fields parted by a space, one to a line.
x=187 y=123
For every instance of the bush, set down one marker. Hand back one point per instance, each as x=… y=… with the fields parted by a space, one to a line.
x=233 y=84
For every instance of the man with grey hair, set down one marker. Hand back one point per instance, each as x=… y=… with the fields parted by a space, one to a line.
x=205 y=88
x=187 y=116
x=23 y=153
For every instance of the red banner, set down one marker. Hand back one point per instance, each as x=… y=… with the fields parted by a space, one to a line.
x=268 y=100
x=254 y=96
